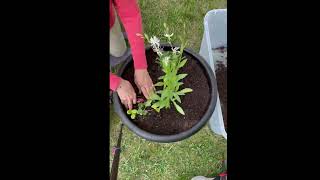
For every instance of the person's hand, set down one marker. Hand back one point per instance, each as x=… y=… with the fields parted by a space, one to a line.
x=126 y=94
x=144 y=82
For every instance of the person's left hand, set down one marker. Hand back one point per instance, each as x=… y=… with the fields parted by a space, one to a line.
x=144 y=82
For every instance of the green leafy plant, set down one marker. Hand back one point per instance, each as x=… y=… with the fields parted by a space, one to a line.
x=141 y=109
x=170 y=62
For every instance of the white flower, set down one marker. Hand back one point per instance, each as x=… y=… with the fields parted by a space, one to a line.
x=175 y=50
x=155 y=42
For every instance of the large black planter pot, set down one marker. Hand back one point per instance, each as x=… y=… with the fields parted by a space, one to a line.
x=176 y=137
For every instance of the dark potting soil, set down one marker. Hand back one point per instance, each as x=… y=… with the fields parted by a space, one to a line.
x=194 y=104
x=221 y=77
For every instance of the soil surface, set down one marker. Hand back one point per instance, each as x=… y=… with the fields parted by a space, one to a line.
x=221 y=77
x=194 y=104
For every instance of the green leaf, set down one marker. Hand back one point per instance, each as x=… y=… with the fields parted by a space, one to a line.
x=155 y=105
x=165 y=94
x=179 y=109
x=177 y=97
x=186 y=90
x=133 y=116
x=161 y=77
x=181 y=76
x=155 y=96
x=132 y=111
x=178 y=85
x=148 y=103
x=147 y=37
x=159 y=84
x=181 y=93
x=157 y=109
x=182 y=63
x=162 y=104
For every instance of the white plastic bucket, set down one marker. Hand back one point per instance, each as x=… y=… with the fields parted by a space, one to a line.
x=215 y=36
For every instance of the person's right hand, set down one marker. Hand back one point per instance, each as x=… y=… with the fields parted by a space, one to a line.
x=126 y=94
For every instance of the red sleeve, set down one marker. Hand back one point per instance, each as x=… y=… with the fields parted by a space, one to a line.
x=130 y=16
x=114 y=81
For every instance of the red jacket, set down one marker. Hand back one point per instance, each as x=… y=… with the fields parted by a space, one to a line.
x=130 y=17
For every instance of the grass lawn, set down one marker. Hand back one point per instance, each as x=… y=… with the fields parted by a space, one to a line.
x=202 y=153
